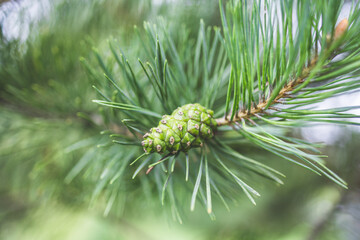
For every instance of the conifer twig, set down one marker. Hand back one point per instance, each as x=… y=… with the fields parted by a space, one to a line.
x=288 y=88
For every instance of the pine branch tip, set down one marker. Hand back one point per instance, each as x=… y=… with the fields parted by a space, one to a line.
x=341 y=28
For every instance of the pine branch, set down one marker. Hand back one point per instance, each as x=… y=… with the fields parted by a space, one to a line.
x=286 y=91
x=256 y=62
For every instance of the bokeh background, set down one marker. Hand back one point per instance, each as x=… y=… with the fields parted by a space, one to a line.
x=45 y=94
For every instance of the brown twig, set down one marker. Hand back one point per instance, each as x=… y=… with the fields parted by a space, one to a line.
x=286 y=90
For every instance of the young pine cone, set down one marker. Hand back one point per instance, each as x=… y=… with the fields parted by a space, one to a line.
x=187 y=127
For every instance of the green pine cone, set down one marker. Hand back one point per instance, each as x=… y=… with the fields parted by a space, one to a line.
x=187 y=127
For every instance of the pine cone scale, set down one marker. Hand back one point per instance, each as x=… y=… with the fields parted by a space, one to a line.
x=187 y=127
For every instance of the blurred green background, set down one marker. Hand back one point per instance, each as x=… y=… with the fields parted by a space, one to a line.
x=44 y=87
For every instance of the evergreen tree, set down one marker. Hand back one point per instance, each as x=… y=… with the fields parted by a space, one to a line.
x=188 y=115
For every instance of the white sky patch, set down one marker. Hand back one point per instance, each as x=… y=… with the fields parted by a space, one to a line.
x=16 y=17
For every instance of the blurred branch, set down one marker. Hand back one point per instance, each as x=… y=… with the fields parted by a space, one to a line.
x=320 y=226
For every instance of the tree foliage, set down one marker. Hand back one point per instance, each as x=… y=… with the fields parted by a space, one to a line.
x=260 y=73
